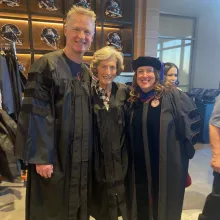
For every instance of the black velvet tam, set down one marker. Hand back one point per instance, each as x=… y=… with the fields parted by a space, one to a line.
x=146 y=61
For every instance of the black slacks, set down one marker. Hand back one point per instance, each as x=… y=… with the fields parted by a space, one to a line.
x=211 y=210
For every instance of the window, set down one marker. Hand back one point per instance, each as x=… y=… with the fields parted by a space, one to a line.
x=175 y=44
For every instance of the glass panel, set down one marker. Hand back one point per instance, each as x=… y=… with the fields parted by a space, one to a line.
x=158 y=50
x=184 y=71
x=176 y=26
x=171 y=53
x=158 y=46
x=158 y=54
x=177 y=53
x=188 y=41
x=171 y=43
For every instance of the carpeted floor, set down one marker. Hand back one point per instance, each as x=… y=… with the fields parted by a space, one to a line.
x=12 y=196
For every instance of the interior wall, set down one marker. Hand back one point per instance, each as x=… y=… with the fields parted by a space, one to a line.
x=146 y=27
x=207 y=57
x=205 y=71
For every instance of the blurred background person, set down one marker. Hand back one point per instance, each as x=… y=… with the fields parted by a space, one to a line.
x=171 y=73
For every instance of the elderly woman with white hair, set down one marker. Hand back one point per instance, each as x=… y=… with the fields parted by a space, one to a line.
x=109 y=152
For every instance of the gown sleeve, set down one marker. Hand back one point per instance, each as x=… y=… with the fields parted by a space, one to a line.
x=35 y=129
x=188 y=121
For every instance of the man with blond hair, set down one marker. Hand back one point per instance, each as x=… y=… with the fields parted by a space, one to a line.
x=211 y=208
x=54 y=126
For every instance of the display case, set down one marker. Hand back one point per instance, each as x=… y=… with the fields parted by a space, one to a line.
x=25 y=61
x=15 y=30
x=48 y=8
x=16 y=5
x=37 y=26
x=127 y=64
x=90 y=4
x=115 y=27
x=120 y=37
x=118 y=10
x=47 y=35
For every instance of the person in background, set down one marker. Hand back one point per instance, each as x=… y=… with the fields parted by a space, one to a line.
x=211 y=208
x=171 y=73
x=54 y=126
x=162 y=138
x=110 y=152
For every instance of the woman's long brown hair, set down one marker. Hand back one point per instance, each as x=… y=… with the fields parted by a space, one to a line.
x=135 y=94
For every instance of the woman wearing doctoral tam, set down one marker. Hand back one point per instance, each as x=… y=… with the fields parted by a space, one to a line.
x=163 y=125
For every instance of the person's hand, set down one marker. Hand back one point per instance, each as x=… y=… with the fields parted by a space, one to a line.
x=216 y=164
x=44 y=170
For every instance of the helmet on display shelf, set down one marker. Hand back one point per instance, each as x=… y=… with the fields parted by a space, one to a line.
x=114 y=39
x=11 y=33
x=48 y=5
x=113 y=9
x=11 y=3
x=84 y=4
x=50 y=36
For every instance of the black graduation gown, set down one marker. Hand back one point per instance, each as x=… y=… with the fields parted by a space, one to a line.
x=178 y=128
x=110 y=156
x=6 y=87
x=15 y=82
x=54 y=127
x=9 y=168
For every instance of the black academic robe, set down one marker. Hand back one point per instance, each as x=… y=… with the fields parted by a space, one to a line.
x=177 y=129
x=15 y=82
x=7 y=94
x=54 y=128
x=9 y=167
x=109 y=156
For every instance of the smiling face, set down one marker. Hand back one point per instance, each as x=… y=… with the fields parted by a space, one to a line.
x=79 y=34
x=146 y=78
x=172 y=75
x=106 y=71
